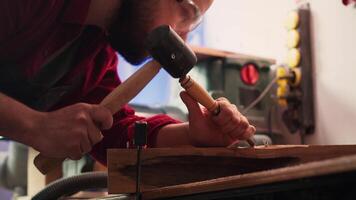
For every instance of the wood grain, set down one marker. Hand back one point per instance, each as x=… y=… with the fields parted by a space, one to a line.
x=311 y=169
x=181 y=171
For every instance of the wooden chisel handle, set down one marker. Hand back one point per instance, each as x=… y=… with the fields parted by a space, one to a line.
x=198 y=93
x=114 y=102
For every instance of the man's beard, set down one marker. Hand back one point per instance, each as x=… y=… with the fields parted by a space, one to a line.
x=128 y=32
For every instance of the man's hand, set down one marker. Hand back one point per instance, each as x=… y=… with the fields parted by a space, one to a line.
x=221 y=130
x=70 y=131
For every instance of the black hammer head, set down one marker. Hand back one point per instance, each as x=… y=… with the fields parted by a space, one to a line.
x=166 y=47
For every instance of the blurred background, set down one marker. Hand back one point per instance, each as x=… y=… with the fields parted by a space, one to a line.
x=258 y=29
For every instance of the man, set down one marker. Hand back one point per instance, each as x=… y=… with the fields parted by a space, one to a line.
x=58 y=61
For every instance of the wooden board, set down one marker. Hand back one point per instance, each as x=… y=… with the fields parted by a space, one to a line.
x=203 y=53
x=181 y=171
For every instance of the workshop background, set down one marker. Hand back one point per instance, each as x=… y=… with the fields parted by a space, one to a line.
x=257 y=28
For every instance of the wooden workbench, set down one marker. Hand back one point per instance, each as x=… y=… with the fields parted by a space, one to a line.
x=172 y=172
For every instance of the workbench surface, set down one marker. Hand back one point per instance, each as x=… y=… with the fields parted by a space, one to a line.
x=174 y=173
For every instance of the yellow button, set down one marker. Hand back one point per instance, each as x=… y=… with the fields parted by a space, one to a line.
x=281 y=91
x=297 y=77
x=281 y=72
x=282 y=82
x=292 y=21
x=281 y=94
x=282 y=102
x=293 y=57
x=293 y=38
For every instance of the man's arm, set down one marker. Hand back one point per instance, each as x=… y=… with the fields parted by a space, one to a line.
x=17 y=120
x=174 y=135
x=68 y=132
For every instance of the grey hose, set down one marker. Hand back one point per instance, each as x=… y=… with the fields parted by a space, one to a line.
x=73 y=184
x=261 y=96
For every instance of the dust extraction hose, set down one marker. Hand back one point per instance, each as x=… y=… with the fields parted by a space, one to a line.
x=73 y=184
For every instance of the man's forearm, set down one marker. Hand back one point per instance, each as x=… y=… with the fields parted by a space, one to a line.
x=174 y=135
x=16 y=119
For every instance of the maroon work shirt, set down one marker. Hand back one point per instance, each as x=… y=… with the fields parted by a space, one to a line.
x=32 y=32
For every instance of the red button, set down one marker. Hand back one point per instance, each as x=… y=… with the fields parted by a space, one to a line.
x=249 y=74
x=347 y=2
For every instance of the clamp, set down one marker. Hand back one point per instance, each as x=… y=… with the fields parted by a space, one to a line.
x=140 y=140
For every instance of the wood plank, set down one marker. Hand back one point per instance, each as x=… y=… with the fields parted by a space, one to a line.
x=178 y=171
x=311 y=169
x=204 y=53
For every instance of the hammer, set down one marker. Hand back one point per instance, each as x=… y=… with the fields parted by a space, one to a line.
x=168 y=51
x=178 y=59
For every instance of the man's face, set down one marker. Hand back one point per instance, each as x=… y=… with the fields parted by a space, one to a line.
x=137 y=18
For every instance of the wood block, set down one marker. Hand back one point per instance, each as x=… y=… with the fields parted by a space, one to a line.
x=181 y=171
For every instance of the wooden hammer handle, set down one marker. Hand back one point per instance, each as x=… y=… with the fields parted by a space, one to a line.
x=114 y=101
x=127 y=90
x=198 y=93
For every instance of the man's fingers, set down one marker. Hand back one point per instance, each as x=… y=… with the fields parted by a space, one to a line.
x=226 y=113
x=233 y=123
x=243 y=125
x=249 y=132
x=227 y=139
x=94 y=134
x=101 y=116
x=228 y=117
x=229 y=128
x=223 y=99
x=76 y=154
x=85 y=144
x=191 y=104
